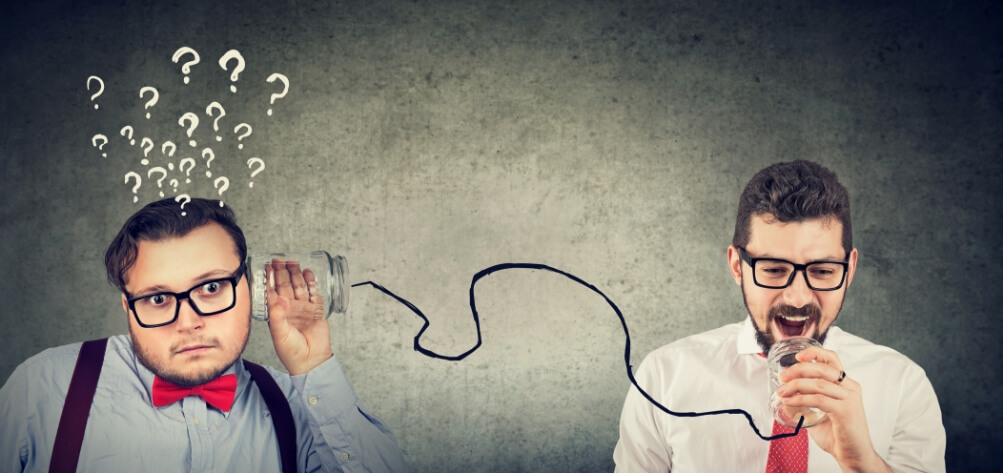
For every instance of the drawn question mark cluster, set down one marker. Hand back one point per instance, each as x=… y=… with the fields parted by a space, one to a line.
x=194 y=156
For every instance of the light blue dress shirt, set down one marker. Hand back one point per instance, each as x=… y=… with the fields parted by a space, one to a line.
x=126 y=433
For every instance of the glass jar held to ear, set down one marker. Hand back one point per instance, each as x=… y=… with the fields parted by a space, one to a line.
x=312 y=279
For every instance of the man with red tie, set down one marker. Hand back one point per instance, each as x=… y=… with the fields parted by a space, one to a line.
x=792 y=255
x=175 y=395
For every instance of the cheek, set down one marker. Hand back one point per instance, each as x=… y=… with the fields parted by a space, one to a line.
x=153 y=346
x=236 y=326
x=831 y=304
x=243 y=305
x=758 y=299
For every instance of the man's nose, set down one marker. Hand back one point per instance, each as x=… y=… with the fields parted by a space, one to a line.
x=188 y=319
x=798 y=294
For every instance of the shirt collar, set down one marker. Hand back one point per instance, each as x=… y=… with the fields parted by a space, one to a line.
x=746 y=343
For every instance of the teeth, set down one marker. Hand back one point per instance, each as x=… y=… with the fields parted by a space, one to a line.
x=801 y=318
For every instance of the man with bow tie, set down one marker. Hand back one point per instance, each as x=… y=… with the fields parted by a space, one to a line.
x=175 y=395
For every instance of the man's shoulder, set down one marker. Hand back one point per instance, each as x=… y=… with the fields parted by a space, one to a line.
x=45 y=375
x=58 y=362
x=280 y=378
x=51 y=358
x=704 y=340
x=714 y=342
x=856 y=350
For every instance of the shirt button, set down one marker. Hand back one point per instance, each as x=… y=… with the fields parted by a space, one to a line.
x=312 y=400
x=196 y=420
x=344 y=455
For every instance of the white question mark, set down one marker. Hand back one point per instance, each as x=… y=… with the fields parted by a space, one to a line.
x=162 y=176
x=100 y=90
x=94 y=141
x=222 y=183
x=285 y=82
x=188 y=172
x=151 y=102
x=186 y=67
x=147 y=145
x=250 y=164
x=245 y=135
x=215 y=123
x=194 y=120
x=127 y=133
x=135 y=188
x=208 y=153
x=172 y=146
x=186 y=198
x=174 y=184
x=223 y=60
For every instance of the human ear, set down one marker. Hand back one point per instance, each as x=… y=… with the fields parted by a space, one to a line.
x=735 y=264
x=852 y=268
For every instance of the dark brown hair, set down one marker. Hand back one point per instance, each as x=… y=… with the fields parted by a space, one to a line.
x=164 y=219
x=794 y=192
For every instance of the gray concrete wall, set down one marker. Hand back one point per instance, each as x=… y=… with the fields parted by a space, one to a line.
x=426 y=141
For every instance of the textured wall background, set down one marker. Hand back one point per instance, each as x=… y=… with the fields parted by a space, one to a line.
x=426 y=141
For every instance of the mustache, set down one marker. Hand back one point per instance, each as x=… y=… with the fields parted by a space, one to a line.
x=813 y=311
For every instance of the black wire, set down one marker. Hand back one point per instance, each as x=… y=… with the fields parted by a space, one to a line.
x=626 y=352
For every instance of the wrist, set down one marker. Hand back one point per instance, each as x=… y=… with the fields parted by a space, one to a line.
x=873 y=463
x=296 y=369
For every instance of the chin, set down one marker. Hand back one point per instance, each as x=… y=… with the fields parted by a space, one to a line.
x=191 y=372
x=196 y=372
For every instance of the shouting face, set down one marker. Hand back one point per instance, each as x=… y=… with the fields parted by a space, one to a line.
x=798 y=309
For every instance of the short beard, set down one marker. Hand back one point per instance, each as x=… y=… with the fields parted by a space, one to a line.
x=181 y=378
x=764 y=337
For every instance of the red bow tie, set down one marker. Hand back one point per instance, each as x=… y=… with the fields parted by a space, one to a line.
x=217 y=393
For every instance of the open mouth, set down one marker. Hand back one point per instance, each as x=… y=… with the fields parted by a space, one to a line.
x=792 y=325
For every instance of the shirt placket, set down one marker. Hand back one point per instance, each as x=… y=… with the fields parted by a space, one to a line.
x=200 y=444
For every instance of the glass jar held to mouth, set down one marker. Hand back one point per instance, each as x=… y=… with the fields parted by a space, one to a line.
x=782 y=356
x=315 y=276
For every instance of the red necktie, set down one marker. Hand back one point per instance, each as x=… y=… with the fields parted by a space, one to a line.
x=789 y=454
x=217 y=393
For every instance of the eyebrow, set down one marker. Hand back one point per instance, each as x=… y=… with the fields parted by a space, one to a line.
x=202 y=277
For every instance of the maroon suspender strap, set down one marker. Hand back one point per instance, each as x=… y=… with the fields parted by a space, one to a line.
x=77 y=407
x=282 y=416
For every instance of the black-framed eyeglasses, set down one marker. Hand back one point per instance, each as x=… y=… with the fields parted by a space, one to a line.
x=207 y=298
x=773 y=273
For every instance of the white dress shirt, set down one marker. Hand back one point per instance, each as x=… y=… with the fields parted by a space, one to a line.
x=722 y=369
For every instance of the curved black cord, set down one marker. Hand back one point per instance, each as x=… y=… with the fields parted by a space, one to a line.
x=626 y=352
